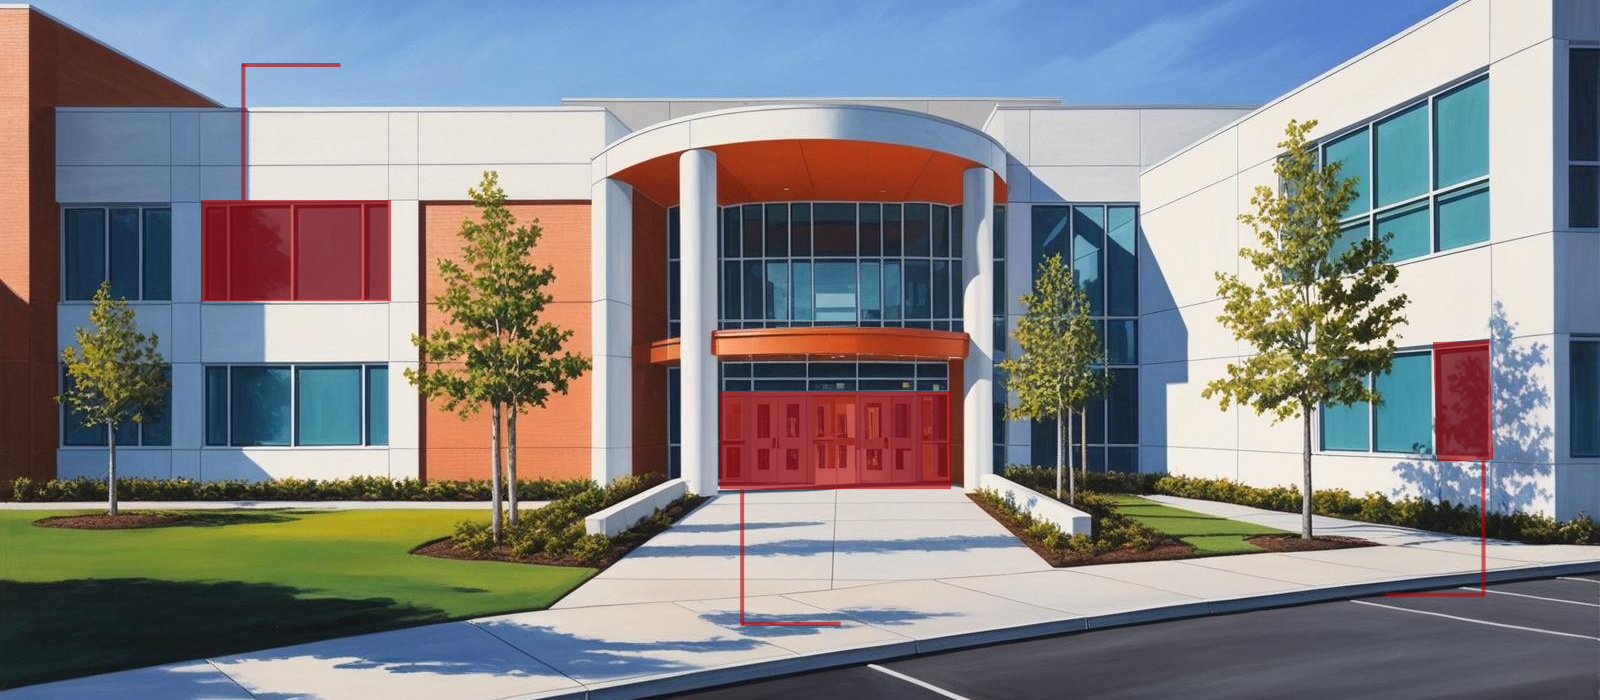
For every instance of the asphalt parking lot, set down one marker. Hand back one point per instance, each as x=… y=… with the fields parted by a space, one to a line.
x=1528 y=639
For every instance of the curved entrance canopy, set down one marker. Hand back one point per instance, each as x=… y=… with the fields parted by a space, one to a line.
x=778 y=153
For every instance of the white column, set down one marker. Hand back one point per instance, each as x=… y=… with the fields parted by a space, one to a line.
x=697 y=305
x=977 y=268
x=611 y=320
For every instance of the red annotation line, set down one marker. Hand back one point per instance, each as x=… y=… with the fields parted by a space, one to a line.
x=243 y=138
x=765 y=623
x=1483 y=549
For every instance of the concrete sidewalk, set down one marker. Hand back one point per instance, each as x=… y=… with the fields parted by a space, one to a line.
x=607 y=642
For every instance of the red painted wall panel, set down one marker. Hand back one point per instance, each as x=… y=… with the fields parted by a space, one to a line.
x=285 y=251
x=258 y=253
x=327 y=255
x=377 y=251
x=1462 y=409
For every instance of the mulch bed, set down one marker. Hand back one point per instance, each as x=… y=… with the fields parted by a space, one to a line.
x=1167 y=548
x=101 y=521
x=623 y=543
x=1293 y=543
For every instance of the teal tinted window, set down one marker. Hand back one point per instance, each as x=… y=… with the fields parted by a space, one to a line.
x=157 y=427
x=158 y=254
x=1122 y=407
x=1401 y=170
x=871 y=302
x=801 y=279
x=85 y=252
x=777 y=292
x=918 y=287
x=1088 y=242
x=1403 y=422
x=73 y=432
x=836 y=291
x=1354 y=155
x=1464 y=217
x=1122 y=347
x=1585 y=385
x=378 y=405
x=216 y=406
x=1050 y=233
x=891 y=291
x=260 y=401
x=1351 y=234
x=1122 y=267
x=1461 y=134
x=1409 y=226
x=124 y=234
x=1347 y=427
x=328 y=406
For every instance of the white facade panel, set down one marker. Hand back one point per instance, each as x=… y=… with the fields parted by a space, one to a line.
x=550 y=181
x=455 y=138
x=113 y=138
x=294 y=332
x=318 y=138
x=1083 y=137
x=113 y=183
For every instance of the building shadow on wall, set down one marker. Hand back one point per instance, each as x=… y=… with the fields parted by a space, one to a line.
x=1523 y=438
x=1164 y=337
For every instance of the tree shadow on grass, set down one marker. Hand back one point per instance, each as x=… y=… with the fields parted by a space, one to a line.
x=62 y=629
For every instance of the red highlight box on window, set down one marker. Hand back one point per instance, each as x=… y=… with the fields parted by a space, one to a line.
x=294 y=250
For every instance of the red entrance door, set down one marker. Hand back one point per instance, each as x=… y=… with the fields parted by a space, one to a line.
x=834 y=438
x=777 y=443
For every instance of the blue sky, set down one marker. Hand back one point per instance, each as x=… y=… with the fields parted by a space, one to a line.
x=534 y=53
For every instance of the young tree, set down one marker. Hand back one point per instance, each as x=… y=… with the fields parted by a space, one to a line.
x=494 y=349
x=539 y=367
x=1056 y=372
x=1320 y=317
x=115 y=375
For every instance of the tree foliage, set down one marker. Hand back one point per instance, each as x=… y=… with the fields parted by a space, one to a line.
x=1319 y=315
x=1059 y=367
x=495 y=348
x=115 y=374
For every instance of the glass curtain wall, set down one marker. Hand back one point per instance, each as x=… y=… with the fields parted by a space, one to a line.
x=1100 y=244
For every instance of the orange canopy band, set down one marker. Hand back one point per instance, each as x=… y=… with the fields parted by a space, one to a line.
x=833 y=343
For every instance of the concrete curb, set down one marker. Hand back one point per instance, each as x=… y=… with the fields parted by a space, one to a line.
x=741 y=673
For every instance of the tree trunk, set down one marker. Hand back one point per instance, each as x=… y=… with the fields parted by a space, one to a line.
x=511 y=463
x=494 y=472
x=111 y=468
x=1305 y=492
x=1083 y=444
x=1060 y=458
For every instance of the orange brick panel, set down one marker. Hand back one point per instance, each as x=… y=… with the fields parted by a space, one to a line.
x=553 y=442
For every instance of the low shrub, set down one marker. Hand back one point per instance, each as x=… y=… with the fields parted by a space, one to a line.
x=1111 y=530
x=355 y=488
x=1420 y=513
x=556 y=531
x=1043 y=480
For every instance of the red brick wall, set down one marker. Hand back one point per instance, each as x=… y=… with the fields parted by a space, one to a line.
x=649 y=324
x=44 y=65
x=552 y=442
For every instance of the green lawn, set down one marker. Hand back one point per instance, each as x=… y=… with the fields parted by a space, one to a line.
x=1208 y=533
x=76 y=602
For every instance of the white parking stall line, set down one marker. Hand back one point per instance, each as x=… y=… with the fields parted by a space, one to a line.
x=921 y=684
x=1478 y=622
x=1535 y=597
